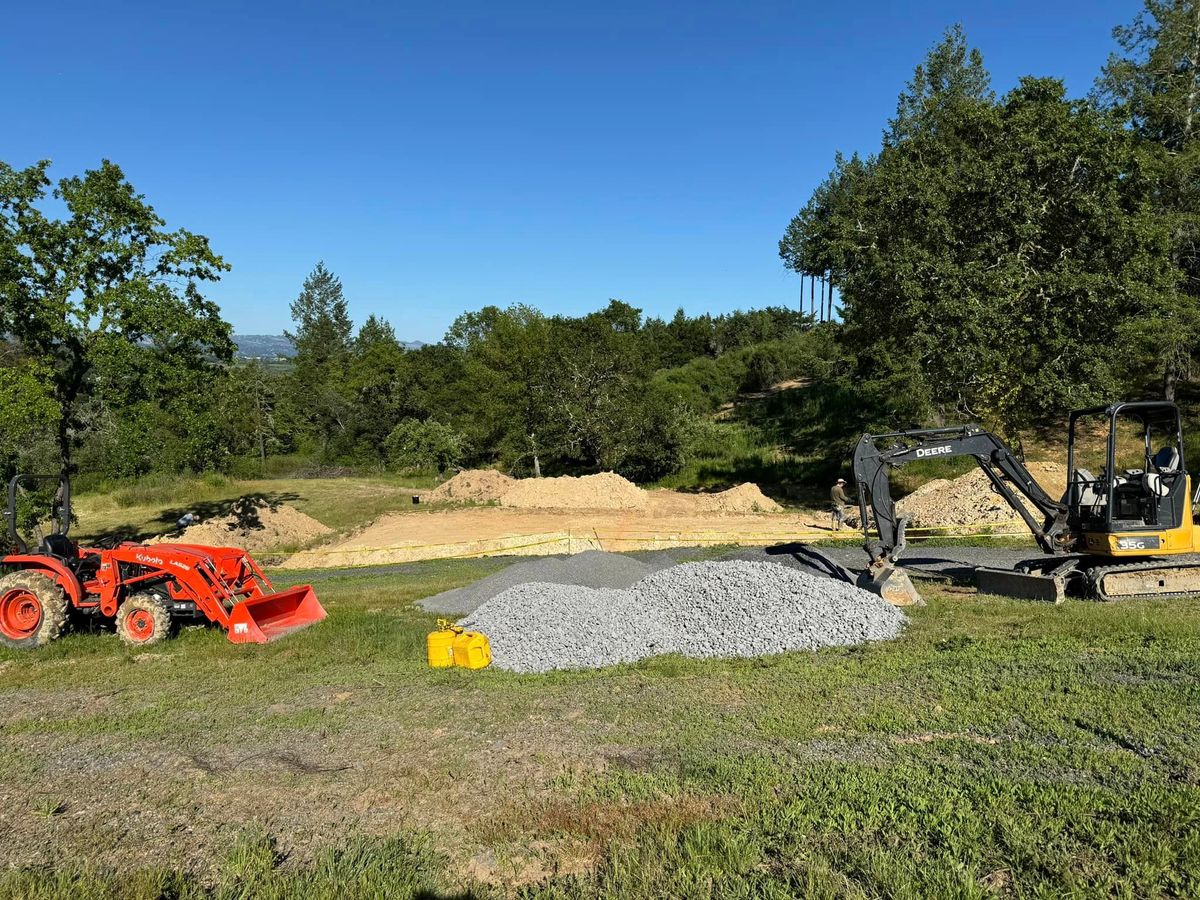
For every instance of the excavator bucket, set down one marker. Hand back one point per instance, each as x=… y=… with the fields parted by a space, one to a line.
x=272 y=616
x=1021 y=585
x=892 y=584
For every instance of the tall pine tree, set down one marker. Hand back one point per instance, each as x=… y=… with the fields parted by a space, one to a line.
x=1155 y=85
x=323 y=341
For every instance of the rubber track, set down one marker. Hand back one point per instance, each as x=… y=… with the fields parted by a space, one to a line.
x=1098 y=574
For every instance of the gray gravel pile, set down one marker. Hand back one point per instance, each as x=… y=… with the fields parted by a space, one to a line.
x=593 y=568
x=705 y=609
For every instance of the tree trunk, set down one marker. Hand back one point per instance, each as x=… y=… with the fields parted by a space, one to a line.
x=1170 y=378
x=64 y=444
x=1194 y=64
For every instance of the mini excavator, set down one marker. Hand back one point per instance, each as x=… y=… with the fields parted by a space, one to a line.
x=1116 y=533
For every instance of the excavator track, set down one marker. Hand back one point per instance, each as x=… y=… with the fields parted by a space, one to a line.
x=1152 y=579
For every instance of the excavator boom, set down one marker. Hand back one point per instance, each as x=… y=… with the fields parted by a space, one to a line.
x=876 y=455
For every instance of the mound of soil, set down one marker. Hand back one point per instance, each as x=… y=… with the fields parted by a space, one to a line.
x=471 y=486
x=970 y=499
x=260 y=527
x=745 y=497
x=607 y=490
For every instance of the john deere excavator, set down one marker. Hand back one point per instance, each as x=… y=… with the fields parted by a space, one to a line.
x=1122 y=531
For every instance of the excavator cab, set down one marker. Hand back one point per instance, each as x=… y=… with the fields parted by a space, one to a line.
x=1129 y=493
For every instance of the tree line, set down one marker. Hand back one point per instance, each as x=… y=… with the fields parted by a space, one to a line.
x=999 y=257
x=114 y=364
x=1009 y=257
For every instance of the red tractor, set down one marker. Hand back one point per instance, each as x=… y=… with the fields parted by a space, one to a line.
x=144 y=590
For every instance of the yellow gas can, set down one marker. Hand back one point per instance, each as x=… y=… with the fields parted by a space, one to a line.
x=440 y=645
x=472 y=650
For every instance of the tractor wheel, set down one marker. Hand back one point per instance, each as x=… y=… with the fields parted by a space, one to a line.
x=33 y=610
x=143 y=619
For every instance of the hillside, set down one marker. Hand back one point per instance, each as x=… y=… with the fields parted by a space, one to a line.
x=273 y=346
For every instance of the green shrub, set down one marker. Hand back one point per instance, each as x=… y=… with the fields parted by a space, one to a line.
x=414 y=445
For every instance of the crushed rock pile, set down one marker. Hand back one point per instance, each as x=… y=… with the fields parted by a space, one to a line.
x=605 y=490
x=266 y=528
x=704 y=609
x=970 y=500
x=592 y=568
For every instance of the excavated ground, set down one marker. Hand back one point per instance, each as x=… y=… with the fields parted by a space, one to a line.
x=489 y=530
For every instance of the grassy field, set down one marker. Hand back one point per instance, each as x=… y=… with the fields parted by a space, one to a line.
x=998 y=748
x=152 y=505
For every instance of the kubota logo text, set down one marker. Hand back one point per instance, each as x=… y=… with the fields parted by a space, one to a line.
x=149 y=560
x=933 y=451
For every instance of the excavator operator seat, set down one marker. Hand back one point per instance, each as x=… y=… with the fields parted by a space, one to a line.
x=1091 y=500
x=1166 y=460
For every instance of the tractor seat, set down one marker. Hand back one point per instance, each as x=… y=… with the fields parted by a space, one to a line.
x=60 y=547
x=1166 y=461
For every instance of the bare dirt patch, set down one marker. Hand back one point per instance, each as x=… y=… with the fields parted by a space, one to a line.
x=497 y=531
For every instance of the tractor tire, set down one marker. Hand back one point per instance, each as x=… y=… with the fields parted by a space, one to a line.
x=33 y=610
x=143 y=619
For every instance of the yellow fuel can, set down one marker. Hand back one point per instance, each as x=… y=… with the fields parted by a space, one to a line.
x=439 y=645
x=472 y=650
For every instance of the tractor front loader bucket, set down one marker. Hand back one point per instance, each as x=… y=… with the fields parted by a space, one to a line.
x=272 y=616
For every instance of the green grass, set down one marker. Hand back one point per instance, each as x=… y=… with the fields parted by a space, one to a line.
x=997 y=748
x=151 y=505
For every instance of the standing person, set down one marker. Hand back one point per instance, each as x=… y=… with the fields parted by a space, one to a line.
x=838 y=498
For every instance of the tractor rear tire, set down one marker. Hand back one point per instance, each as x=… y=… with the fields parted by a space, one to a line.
x=144 y=619
x=33 y=610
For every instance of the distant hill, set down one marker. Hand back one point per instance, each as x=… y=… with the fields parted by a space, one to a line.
x=273 y=346
x=263 y=346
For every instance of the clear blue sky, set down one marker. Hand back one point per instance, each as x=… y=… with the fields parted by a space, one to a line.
x=443 y=156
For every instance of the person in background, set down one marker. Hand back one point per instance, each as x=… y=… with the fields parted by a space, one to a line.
x=839 y=500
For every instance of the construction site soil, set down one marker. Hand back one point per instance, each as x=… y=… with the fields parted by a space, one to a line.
x=969 y=500
x=487 y=513
x=605 y=490
x=255 y=528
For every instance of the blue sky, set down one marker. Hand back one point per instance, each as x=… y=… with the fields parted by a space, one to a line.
x=441 y=157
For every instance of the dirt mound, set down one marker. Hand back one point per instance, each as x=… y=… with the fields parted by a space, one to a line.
x=745 y=497
x=606 y=490
x=255 y=527
x=472 y=486
x=970 y=499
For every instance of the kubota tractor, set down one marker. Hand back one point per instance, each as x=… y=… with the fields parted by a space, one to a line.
x=144 y=590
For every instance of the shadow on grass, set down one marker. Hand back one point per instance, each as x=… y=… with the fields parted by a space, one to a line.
x=244 y=508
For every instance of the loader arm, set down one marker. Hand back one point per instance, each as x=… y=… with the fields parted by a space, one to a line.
x=876 y=456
